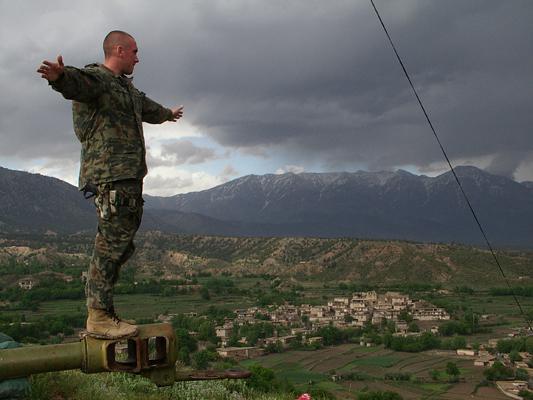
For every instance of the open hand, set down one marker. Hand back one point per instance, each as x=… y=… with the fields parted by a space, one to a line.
x=177 y=113
x=52 y=71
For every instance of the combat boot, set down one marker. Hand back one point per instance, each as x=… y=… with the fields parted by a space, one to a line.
x=128 y=321
x=104 y=324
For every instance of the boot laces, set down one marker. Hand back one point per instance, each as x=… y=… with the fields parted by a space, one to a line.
x=113 y=315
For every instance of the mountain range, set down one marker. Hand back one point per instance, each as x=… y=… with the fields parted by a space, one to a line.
x=374 y=205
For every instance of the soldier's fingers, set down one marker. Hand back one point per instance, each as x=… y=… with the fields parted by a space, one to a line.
x=60 y=60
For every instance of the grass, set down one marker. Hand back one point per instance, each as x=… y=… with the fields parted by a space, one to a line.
x=435 y=387
x=75 y=385
x=298 y=376
x=483 y=303
x=301 y=367
x=142 y=305
x=375 y=361
x=295 y=374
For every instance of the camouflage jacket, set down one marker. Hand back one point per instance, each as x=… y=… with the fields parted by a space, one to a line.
x=108 y=112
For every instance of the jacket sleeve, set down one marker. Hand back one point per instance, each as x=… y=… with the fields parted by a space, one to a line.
x=154 y=113
x=83 y=85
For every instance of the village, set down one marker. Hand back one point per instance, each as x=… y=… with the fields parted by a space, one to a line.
x=299 y=325
x=341 y=312
x=363 y=308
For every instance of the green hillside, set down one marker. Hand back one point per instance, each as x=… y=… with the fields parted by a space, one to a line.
x=346 y=260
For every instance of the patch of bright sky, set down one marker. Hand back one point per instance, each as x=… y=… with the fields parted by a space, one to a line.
x=66 y=170
x=168 y=180
x=12 y=163
x=169 y=131
x=438 y=168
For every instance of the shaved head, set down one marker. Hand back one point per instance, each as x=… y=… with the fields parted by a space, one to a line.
x=115 y=38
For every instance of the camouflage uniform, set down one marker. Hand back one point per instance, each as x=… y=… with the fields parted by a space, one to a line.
x=108 y=112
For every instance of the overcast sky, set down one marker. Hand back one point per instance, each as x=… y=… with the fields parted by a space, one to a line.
x=276 y=86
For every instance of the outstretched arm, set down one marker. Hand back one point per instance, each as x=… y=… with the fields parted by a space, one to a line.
x=155 y=113
x=52 y=71
x=83 y=85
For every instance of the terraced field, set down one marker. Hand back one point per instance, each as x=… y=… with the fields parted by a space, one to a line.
x=370 y=365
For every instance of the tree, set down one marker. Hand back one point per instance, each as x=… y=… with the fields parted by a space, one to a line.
x=521 y=374
x=183 y=339
x=457 y=342
x=529 y=344
x=413 y=327
x=200 y=360
x=274 y=347
x=262 y=379
x=434 y=374
x=453 y=371
x=184 y=355
x=529 y=315
x=331 y=335
x=405 y=316
x=206 y=331
x=498 y=372
x=252 y=336
x=204 y=293
x=451 y=328
x=514 y=356
x=508 y=345
x=526 y=394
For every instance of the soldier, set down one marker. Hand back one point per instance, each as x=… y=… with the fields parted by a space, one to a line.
x=108 y=112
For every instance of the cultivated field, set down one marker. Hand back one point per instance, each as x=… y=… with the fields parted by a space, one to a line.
x=370 y=365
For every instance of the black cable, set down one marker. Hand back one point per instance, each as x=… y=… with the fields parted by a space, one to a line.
x=452 y=169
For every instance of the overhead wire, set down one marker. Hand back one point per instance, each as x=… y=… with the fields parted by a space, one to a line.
x=480 y=226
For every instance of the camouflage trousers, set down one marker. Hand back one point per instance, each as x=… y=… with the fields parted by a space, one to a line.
x=119 y=207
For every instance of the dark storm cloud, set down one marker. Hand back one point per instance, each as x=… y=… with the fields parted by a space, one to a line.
x=310 y=80
x=322 y=82
x=35 y=122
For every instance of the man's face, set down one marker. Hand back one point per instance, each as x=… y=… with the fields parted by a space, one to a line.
x=128 y=54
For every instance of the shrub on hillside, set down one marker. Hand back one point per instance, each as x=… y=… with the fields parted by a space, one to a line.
x=498 y=372
x=411 y=344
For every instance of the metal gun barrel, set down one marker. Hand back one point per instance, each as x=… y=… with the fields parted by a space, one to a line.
x=24 y=361
x=152 y=353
